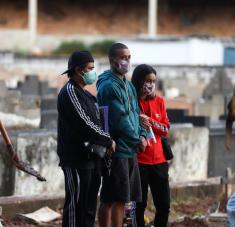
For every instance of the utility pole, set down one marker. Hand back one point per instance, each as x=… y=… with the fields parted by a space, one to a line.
x=152 y=17
x=32 y=21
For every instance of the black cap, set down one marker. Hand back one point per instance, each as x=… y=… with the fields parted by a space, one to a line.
x=78 y=58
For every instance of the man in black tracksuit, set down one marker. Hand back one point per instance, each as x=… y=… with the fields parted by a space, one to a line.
x=78 y=128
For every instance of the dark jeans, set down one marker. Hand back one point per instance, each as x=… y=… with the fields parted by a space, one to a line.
x=81 y=189
x=156 y=177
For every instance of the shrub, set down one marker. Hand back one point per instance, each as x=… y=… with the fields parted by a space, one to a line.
x=97 y=48
x=66 y=48
x=101 y=48
x=21 y=53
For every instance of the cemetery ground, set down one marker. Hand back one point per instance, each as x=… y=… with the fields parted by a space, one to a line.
x=193 y=212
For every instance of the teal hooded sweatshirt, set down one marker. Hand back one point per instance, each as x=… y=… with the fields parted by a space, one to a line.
x=124 y=127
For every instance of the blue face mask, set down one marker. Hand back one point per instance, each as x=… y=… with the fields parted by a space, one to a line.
x=89 y=77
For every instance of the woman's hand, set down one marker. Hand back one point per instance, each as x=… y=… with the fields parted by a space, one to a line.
x=112 y=149
x=144 y=121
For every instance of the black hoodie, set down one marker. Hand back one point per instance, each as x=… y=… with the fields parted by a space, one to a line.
x=78 y=123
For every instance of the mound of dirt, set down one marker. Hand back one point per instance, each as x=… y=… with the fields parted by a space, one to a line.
x=71 y=17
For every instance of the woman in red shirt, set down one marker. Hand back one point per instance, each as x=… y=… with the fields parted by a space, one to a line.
x=153 y=165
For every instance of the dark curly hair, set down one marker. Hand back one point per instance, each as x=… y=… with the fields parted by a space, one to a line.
x=139 y=75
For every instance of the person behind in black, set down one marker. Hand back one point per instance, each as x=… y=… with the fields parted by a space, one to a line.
x=79 y=128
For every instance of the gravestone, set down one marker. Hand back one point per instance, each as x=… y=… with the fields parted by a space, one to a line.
x=220 y=83
x=176 y=115
x=17 y=110
x=32 y=86
x=37 y=147
x=181 y=116
x=198 y=121
x=7 y=170
x=46 y=91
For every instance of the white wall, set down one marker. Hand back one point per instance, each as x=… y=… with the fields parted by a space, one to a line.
x=206 y=52
x=178 y=52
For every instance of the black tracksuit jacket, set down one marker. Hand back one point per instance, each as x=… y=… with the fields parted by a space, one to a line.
x=78 y=123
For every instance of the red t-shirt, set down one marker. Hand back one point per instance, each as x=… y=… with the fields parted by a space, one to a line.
x=155 y=109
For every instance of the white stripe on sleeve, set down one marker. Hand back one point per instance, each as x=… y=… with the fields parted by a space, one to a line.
x=80 y=111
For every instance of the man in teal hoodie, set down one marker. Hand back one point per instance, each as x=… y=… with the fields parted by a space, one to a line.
x=121 y=184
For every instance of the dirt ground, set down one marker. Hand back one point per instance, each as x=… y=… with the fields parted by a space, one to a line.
x=195 y=213
x=188 y=222
x=190 y=213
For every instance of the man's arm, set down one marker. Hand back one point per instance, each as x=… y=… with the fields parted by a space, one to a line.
x=118 y=116
x=229 y=122
x=83 y=121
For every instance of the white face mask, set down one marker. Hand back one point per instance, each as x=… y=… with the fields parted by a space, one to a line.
x=148 y=88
